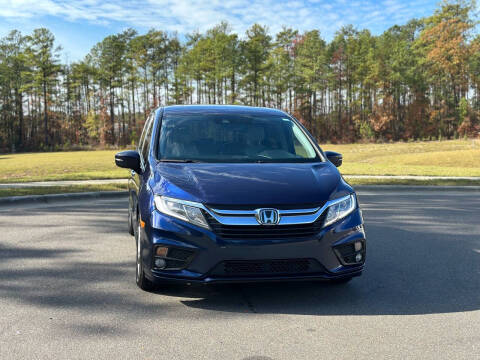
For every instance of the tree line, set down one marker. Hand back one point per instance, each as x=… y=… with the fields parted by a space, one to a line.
x=415 y=81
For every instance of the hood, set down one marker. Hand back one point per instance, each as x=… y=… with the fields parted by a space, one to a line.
x=265 y=184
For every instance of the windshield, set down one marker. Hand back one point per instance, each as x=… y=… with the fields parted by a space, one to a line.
x=233 y=138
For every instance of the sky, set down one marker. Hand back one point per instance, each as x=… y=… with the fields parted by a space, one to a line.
x=80 y=24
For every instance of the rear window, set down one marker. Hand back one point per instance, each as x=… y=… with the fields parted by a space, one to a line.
x=233 y=138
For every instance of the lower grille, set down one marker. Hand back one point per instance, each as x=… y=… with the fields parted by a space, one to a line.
x=176 y=259
x=179 y=254
x=266 y=267
x=265 y=232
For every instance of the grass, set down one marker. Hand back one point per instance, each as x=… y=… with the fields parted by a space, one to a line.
x=434 y=158
x=61 y=189
x=73 y=165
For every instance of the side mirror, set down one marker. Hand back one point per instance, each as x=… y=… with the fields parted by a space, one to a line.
x=129 y=159
x=334 y=157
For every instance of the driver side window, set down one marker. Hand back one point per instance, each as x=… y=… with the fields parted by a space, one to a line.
x=142 y=136
x=143 y=144
x=147 y=140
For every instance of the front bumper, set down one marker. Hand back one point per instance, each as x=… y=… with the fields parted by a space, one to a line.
x=211 y=254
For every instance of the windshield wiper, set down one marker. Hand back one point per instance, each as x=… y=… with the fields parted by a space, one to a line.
x=179 y=160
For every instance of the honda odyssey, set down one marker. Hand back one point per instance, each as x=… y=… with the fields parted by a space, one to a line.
x=234 y=193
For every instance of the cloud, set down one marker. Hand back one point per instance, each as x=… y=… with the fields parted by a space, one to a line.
x=79 y=24
x=186 y=16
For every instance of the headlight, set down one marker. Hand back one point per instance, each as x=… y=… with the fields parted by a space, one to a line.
x=339 y=209
x=181 y=209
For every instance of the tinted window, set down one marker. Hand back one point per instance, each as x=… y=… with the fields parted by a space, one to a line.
x=142 y=136
x=147 y=139
x=233 y=138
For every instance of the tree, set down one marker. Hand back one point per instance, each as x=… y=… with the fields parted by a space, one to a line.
x=282 y=59
x=255 y=51
x=44 y=59
x=445 y=40
x=14 y=72
x=414 y=81
x=109 y=57
x=311 y=68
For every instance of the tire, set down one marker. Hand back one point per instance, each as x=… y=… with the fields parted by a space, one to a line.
x=142 y=282
x=341 y=280
x=131 y=229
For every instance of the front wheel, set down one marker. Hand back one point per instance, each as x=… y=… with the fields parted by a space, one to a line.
x=142 y=282
x=131 y=230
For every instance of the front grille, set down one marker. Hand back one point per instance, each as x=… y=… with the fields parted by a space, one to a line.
x=259 y=206
x=266 y=267
x=265 y=231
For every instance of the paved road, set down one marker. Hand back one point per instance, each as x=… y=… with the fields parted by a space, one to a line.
x=67 y=291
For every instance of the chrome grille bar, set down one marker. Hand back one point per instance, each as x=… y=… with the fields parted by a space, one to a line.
x=252 y=212
x=247 y=217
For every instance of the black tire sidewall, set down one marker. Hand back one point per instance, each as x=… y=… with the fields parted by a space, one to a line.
x=131 y=225
x=140 y=278
x=138 y=269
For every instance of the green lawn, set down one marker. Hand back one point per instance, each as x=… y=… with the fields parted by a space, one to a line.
x=73 y=165
x=436 y=158
x=433 y=158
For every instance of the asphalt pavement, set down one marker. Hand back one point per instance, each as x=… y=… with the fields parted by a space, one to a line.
x=67 y=291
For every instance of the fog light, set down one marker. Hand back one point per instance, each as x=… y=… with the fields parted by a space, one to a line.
x=161 y=251
x=160 y=263
x=358 y=246
x=358 y=257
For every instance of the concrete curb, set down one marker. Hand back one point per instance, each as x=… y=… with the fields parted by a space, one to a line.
x=417 y=188
x=14 y=200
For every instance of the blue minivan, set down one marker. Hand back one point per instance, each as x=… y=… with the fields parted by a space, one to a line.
x=238 y=194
